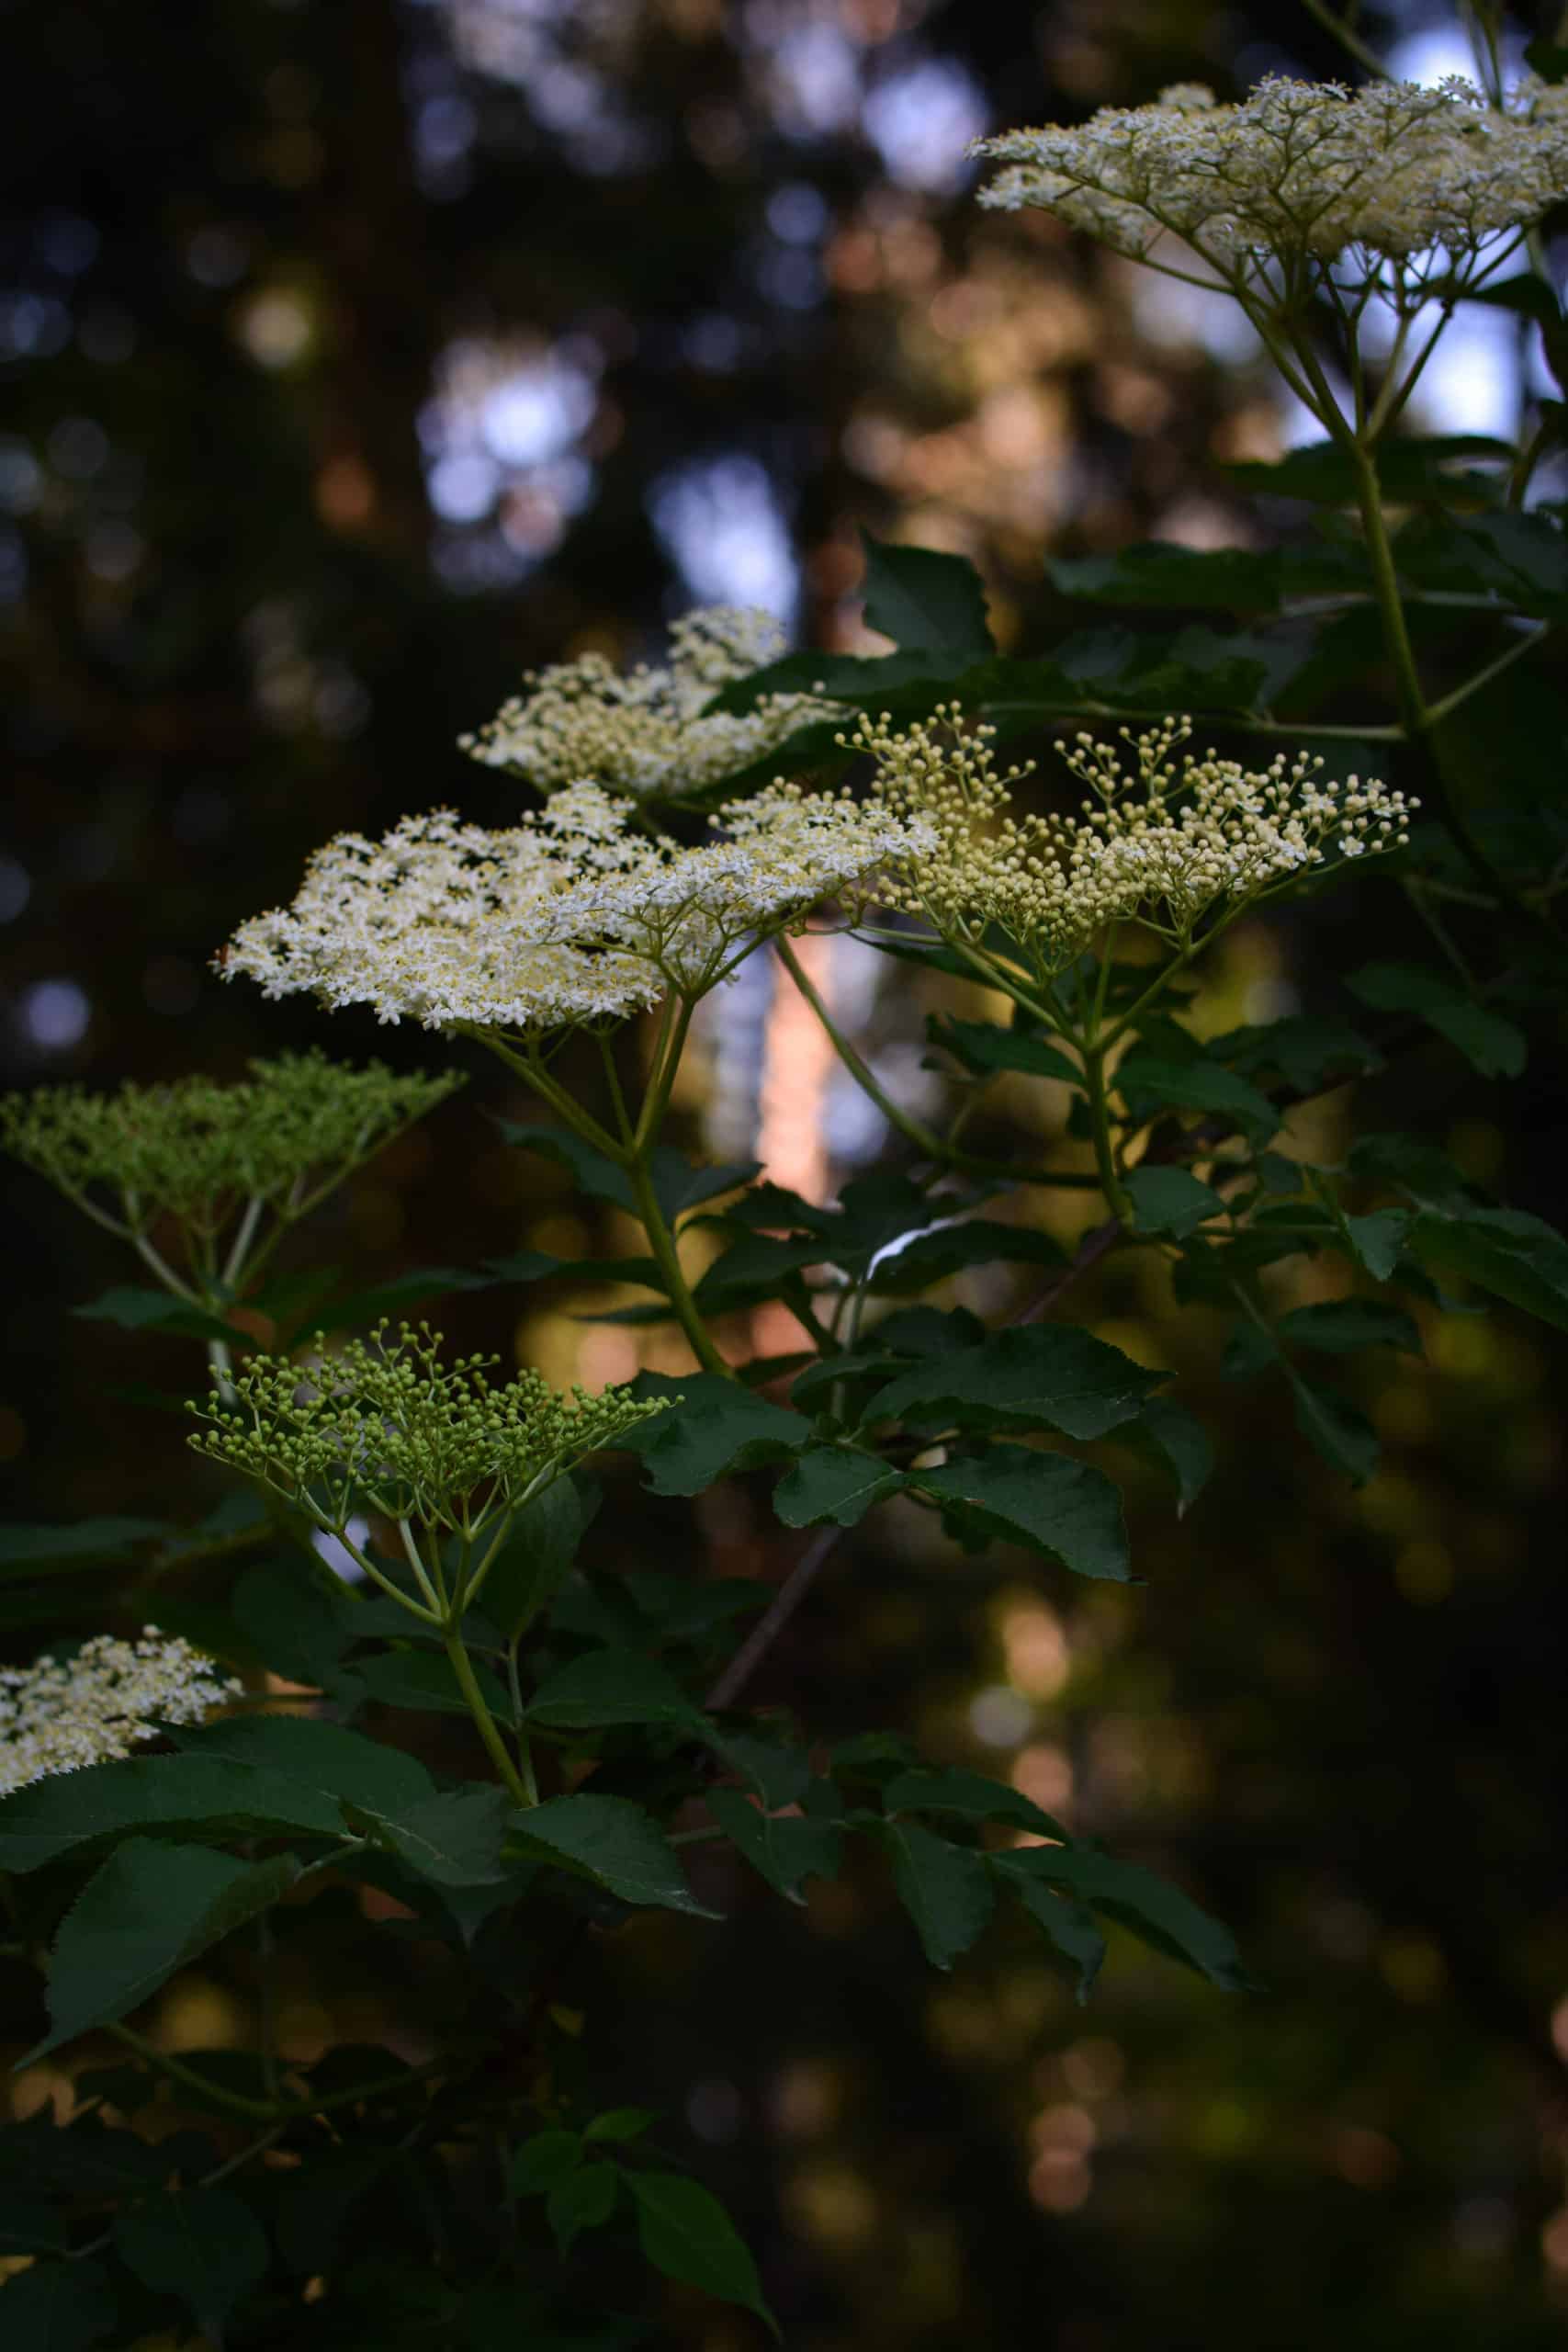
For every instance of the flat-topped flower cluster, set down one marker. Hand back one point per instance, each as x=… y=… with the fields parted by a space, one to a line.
x=1169 y=845
x=384 y=1424
x=199 y=1148
x=643 y=731
x=574 y=916
x=62 y=1714
x=1299 y=170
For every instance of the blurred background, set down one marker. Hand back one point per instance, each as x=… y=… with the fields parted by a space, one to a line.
x=359 y=355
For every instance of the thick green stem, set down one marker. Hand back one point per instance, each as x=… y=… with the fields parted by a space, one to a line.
x=1117 y=1198
x=1415 y=715
x=915 y=1131
x=485 y=1723
x=662 y=1242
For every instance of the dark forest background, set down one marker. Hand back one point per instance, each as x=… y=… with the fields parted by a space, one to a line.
x=358 y=355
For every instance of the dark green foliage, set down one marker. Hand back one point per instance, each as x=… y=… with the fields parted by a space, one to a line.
x=144 y=1912
x=685 y=2233
x=1047 y=1376
x=1060 y=1508
x=613 y=1843
x=203 y=2246
x=920 y=598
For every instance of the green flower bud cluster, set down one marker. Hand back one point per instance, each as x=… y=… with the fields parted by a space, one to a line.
x=384 y=1425
x=200 y=1150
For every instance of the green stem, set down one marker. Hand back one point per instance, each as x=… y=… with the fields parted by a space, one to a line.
x=662 y=1242
x=1438 y=711
x=1351 y=42
x=233 y=1265
x=260 y=2111
x=1415 y=715
x=525 y=1748
x=915 y=1131
x=160 y=1266
x=1117 y=1198
x=467 y=1682
x=532 y=1070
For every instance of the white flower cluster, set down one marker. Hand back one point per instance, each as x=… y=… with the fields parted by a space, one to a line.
x=574 y=916
x=643 y=733
x=59 y=1715
x=1299 y=171
x=1158 y=845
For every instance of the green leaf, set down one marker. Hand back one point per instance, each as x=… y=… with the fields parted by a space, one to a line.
x=537 y=1555
x=342 y=1763
x=685 y=2233
x=908 y=683
x=779 y=1774
x=1517 y=1255
x=92 y=1542
x=581 y=2199
x=608 y=1687
x=364 y=1307
x=1238 y=580
x=1526 y=295
x=425 y=1682
x=620 y=2124
x=1150 y=1082
x=1342 y=1435
x=1548 y=58
x=135 y=1309
x=987 y=1049
x=679 y=1184
x=949 y=1249
x=946 y=1889
x=1519 y=561
x=1322 y=473
x=203 y=2245
x=1342 y=1325
x=1043 y=1502
x=613 y=1842
x=1184 y=1444
x=1423 y=1173
x=1170 y=1199
x=591 y=1171
x=453 y=1839
x=1488 y=1043
x=543 y=2161
x=1378 y=1241
x=58 y=2307
x=785 y=1849
x=1040 y=1376
x=1301 y=1051
x=1066 y=1923
x=971 y=1797
x=831 y=1482
x=84 y=2159
x=253 y=1777
x=297 y=1620
x=144 y=1914
x=1157 y=1912
x=921 y=598
x=718 y=1428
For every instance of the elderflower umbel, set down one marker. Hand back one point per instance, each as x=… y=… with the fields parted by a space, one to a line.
x=62 y=1714
x=385 y=1425
x=1390 y=185
x=574 y=916
x=1162 y=845
x=198 y=1150
x=644 y=732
